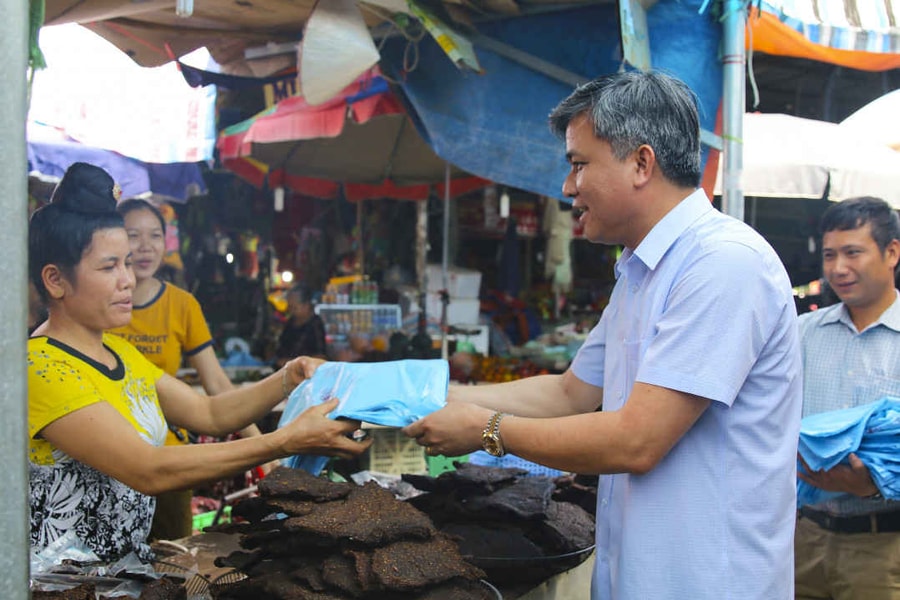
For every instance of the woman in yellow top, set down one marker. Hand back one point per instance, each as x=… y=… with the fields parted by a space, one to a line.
x=167 y=325
x=97 y=409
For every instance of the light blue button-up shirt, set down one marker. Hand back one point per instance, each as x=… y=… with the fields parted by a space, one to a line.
x=843 y=367
x=704 y=306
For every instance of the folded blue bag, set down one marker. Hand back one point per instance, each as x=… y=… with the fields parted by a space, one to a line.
x=393 y=394
x=871 y=431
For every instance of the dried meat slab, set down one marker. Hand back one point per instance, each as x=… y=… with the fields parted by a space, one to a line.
x=526 y=498
x=414 y=565
x=163 y=589
x=298 y=484
x=482 y=474
x=340 y=572
x=567 y=528
x=362 y=562
x=251 y=509
x=276 y=587
x=240 y=560
x=258 y=510
x=247 y=528
x=84 y=591
x=457 y=589
x=497 y=541
x=470 y=479
x=286 y=543
x=370 y=516
x=293 y=508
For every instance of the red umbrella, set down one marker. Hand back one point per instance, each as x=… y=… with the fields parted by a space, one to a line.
x=362 y=139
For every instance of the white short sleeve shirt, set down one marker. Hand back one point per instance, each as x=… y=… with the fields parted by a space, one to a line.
x=704 y=306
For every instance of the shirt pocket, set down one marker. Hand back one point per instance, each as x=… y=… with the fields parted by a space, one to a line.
x=872 y=388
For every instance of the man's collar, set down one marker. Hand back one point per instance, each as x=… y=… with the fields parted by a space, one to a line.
x=658 y=241
x=890 y=318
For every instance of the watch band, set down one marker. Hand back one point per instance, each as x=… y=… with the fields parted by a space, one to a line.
x=491 y=435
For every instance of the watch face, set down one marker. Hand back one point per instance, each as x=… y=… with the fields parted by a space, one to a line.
x=492 y=446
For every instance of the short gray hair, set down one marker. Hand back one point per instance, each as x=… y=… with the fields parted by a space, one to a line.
x=634 y=108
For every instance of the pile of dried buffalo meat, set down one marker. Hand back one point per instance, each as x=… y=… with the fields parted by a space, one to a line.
x=305 y=537
x=159 y=589
x=512 y=525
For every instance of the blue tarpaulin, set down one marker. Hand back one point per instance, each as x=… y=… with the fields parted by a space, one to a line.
x=871 y=431
x=502 y=114
x=174 y=180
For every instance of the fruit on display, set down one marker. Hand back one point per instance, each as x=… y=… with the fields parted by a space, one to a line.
x=471 y=368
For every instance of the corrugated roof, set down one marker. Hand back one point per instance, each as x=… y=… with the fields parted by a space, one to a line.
x=152 y=34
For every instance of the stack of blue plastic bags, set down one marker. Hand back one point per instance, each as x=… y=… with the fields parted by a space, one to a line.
x=871 y=431
x=393 y=394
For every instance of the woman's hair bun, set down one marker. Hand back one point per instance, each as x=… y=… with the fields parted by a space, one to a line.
x=86 y=188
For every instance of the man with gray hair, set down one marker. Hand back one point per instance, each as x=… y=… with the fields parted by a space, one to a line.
x=695 y=360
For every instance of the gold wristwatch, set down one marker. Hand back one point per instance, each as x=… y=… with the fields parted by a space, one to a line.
x=490 y=437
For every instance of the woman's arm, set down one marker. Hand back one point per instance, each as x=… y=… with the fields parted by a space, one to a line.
x=234 y=409
x=215 y=381
x=97 y=435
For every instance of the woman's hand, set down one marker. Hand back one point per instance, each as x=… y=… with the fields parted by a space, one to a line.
x=313 y=432
x=301 y=368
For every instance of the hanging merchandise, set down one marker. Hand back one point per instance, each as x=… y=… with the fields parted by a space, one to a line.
x=248 y=264
x=557 y=225
x=172 y=256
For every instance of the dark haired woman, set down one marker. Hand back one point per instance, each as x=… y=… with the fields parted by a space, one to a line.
x=304 y=331
x=167 y=326
x=97 y=409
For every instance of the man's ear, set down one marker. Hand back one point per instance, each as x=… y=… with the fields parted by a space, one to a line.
x=54 y=281
x=892 y=253
x=645 y=164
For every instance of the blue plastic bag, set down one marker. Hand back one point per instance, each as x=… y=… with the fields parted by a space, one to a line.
x=871 y=431
x=393 y=394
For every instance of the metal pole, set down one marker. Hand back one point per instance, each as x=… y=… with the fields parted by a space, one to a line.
x=13 y=302
x=445 y=251
x=422 y=259
x=361 y=252
x=733 y=99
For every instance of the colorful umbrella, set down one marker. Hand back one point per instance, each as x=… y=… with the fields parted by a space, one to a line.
x=790 y=157
x=362 y=139
x=877 y=120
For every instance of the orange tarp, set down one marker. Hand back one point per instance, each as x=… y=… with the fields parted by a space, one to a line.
x=765 y=33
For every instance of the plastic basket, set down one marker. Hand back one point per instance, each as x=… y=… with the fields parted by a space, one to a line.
x=510 y=461
x=394 y=453
x=442 y=464
x=204 y=520
x=195 y=584
x=221 y=583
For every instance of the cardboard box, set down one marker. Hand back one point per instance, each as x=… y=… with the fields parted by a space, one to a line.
x=461 y=283
x=459 y=310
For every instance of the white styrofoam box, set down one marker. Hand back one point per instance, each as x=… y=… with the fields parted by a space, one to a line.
x=459 y=310
x=461 y=283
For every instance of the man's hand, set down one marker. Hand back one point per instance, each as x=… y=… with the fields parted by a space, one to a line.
x=852 y=479
x=452 y=431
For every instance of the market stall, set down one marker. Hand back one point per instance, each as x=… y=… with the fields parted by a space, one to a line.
x=239 y=556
